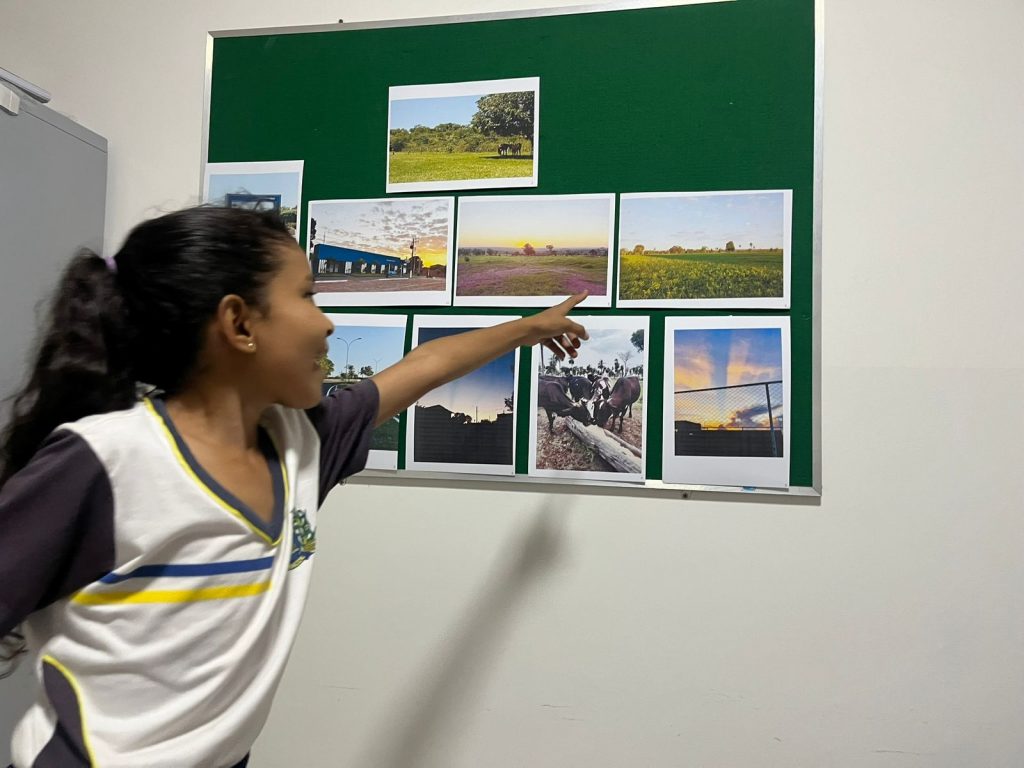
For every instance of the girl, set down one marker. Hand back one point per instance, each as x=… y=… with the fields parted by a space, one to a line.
x=155 y=551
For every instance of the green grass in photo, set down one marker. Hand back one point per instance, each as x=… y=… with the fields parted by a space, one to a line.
x=746 y=274
x=456 y=166
x=385 y=437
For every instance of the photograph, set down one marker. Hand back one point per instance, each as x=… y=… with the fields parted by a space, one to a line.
x=471 y=135
x=692 y=250
x=534 y=250
x=589 y=414
x=272 y=186
x=384 y=252
x=360 y=347
x=467 y=425
x=726 y=401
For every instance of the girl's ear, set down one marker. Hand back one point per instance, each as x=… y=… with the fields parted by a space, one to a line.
x=235 y=323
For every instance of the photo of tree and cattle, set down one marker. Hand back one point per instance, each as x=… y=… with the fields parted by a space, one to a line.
x=588 y=417
x=474 y=135
x=467 y=425
x=707 y=249
x=530 y=250
x=360 y=347
x=388 y=251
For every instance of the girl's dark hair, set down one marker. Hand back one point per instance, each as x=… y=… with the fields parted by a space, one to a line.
x=141 y=320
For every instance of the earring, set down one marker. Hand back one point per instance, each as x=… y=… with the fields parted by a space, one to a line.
x=252 y=346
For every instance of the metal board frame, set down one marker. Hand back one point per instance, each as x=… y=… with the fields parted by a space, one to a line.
x=650 y=488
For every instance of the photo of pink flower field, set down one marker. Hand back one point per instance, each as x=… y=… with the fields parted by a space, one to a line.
x=525 y=249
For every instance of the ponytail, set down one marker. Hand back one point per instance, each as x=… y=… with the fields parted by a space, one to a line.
x=80 y=367
x=140 y=318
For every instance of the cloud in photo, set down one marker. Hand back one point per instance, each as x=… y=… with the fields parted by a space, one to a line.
x=607 y=344
x=709 y=358
x=387 y=227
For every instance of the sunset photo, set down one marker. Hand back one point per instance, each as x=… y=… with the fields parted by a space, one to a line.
x=727 y=400
x=531 y=250
x=381 y=252
x=726 y=379
x=466 y=425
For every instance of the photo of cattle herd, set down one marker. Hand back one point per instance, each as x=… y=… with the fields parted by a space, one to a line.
x=594 y=399
x=589 y=412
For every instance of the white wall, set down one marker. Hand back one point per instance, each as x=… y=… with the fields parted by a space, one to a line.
x=883 y=627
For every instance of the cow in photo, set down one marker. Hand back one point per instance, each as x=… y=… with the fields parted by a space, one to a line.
x=554 y=399
x=625 y=392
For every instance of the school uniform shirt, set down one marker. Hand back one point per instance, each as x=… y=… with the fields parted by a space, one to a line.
x=158 y=609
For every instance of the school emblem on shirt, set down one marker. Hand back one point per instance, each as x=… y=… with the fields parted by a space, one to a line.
x=303 y=539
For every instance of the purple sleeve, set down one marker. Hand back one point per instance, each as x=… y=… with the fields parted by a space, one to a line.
x=56 y=527
x=344 y=421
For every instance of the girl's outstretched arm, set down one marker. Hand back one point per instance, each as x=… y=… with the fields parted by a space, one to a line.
x=437 y=362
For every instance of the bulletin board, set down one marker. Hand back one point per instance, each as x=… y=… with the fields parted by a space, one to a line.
x=635 y=98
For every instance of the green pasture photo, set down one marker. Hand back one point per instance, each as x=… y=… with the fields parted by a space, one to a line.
x=385 y=437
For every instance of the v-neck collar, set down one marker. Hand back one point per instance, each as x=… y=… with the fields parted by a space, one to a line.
x=225 y=499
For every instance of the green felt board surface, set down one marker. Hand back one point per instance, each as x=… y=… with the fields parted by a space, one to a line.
x=717 y=96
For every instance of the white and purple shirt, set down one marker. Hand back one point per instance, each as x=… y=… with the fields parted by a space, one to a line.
x=158 y=609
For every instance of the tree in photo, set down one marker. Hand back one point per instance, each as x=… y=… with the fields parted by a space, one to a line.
x=326 y=366
x=625 y=357
x=508 y=115
x=637 y=339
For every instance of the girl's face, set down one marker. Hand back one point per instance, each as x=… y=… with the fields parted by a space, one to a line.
x=292 y=336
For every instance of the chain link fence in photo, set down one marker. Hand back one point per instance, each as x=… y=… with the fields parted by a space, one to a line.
x=741 y=420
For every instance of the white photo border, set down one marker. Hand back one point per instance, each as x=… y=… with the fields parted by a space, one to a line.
x=741 y=471
x=377 y=459
x=468 y=322
x=468 y=88
x=252 y=169
x=591 y=302
x=437 y=298
x=771 y=302
x=593 y=322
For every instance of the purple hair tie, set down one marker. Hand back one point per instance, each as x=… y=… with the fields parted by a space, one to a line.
x=111 y=264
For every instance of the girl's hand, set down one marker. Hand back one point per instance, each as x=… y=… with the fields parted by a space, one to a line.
x=556 y=331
